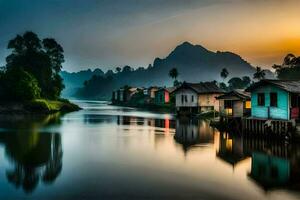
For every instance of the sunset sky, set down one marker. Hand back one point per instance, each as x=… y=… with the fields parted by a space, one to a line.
x=107 y=34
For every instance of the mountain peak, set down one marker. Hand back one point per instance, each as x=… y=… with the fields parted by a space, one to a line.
x=186 y=49
x=186 y=44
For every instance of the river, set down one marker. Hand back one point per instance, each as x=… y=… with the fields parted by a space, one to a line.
x=109 y=152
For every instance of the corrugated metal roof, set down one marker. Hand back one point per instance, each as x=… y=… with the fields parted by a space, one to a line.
x=202 y=88
x=241 y=94
x=287 y=85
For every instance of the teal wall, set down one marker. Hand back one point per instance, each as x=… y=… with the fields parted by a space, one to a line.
x=262 y=166
x=279 y=112
x=159 y=97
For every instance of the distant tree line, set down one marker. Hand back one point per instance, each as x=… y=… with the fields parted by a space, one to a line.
x=32 y=69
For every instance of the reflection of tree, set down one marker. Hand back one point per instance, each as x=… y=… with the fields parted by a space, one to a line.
x=35 y=156
x=54 y=166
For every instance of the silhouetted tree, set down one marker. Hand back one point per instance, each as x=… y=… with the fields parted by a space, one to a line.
x=289 y=69
x=127 y=69
x=259 y=74
x=223 y=86
x=246 y=81
x=173 y=73
x=224 y=73
x=118 y=69
x=42 y=59
x=236 y=83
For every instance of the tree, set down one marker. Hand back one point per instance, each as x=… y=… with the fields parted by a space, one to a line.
x=42 y=59
x=289 y=69
x=236 y=83
x=127 y=69
x=259 y=74
x=20 y=85
x=246 y=81
x=223 y=86
x=173 y=73
x=55 y=53
x=224 y=73
x=118 y=69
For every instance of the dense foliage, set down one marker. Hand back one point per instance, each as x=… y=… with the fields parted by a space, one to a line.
x=98 y=87
x=20 y=85
x=290 y=68
x=32 y=69
x=259 y=73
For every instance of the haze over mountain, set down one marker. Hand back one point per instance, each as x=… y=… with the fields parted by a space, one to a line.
x=193 y=62
x=75 y=80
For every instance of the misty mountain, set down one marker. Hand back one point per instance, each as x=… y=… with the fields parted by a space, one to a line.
x=193 y=62
x=75 y=80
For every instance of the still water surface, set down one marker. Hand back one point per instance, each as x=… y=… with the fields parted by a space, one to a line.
x=108 y=152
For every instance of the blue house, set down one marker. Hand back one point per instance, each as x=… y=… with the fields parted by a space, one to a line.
x=275 y=99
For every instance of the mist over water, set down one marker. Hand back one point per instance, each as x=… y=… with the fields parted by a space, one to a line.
x=114 y=152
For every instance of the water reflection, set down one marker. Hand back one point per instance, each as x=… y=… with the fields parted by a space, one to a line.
x=190 y=132
x=33 y=156
x=151 y=122
x=231 y=149
x=273 y=164
x=126 y=153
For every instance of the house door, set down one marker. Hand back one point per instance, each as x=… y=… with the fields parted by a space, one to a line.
x=295 y=106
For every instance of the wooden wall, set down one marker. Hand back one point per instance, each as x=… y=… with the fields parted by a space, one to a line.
x=279 y=112
x=189 y=93
x=209 y=100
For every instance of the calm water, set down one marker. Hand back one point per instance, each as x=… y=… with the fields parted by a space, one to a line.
x=107 y=152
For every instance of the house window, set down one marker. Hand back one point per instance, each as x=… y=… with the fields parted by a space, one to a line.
x=273 y=99
x=182 y=98
x=248 y=105
x=192 y=98
x=161 y=98
x=227 y=104
x=185 y=97
x=261 y=99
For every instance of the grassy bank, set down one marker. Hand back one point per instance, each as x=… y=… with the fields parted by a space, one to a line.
x=38 y=106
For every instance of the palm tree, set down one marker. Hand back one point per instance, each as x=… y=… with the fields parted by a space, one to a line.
x=259 y=74
x=224 y=73
x=173 y=73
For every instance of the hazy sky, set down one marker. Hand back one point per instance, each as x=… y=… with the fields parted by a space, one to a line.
x=111 y=33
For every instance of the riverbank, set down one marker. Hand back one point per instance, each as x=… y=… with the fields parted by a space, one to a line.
x=38 y=106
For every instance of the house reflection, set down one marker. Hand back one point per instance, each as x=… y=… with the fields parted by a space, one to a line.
x=276 y=166
x=231 y=148
x=140 y=121
x=35 y=157
x=191 y=132
x=269 y=171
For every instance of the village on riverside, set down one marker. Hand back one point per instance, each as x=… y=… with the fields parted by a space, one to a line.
x=268 y=108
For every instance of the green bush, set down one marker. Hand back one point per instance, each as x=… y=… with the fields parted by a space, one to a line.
x=19 y=85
